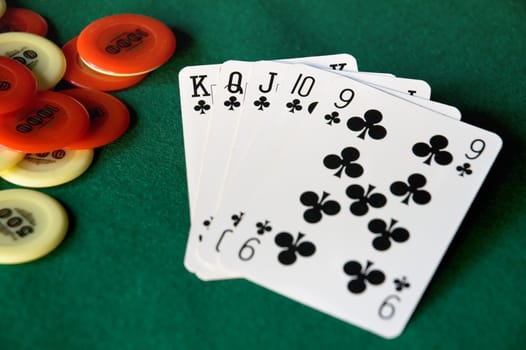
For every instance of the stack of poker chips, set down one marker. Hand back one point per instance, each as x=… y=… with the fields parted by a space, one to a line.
x=47 y=137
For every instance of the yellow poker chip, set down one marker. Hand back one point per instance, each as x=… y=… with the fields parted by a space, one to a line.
x=45 y=59
x=49 y=169
x=9 y=157
x=32 y=224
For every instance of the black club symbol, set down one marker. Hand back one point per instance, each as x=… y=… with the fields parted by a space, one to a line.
x=348 y=156
x=318 y=206
x=401 y=283
x=208 y=222
x=286 y=240
x=464 y=169
x=412 y=189
x=332 y=118
x=364 y=199
x=232 y=103
x=434 y=150
x=368 y=124
x=263 y=227
x=383 y=242
x=358 y=284
x=294 y=105
x=236 y=218
x=201 y=106
x=261 y=103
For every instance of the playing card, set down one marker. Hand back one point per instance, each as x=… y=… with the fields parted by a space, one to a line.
x=353 y=217
x=196 y=90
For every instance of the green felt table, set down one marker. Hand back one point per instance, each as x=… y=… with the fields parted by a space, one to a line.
x=118 y=280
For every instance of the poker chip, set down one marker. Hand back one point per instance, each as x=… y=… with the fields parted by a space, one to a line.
x=32 y=224
x=49 y=169
x=9 y=157
x=125 y=44
x=23 y=20
x=109 y=118
x=55 y=120
x=40 y=55
x=79 y=74
x=18 y=86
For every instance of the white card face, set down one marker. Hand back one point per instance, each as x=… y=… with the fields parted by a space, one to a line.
x=353 y=218
x=196 y=90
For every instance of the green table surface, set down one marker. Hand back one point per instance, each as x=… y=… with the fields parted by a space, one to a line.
x=118 y=280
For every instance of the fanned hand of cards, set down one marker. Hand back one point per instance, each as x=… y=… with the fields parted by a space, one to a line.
x=336 y=188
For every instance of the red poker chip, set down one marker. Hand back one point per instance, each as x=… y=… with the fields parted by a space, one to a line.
x=54 y=121
x=126 y=44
